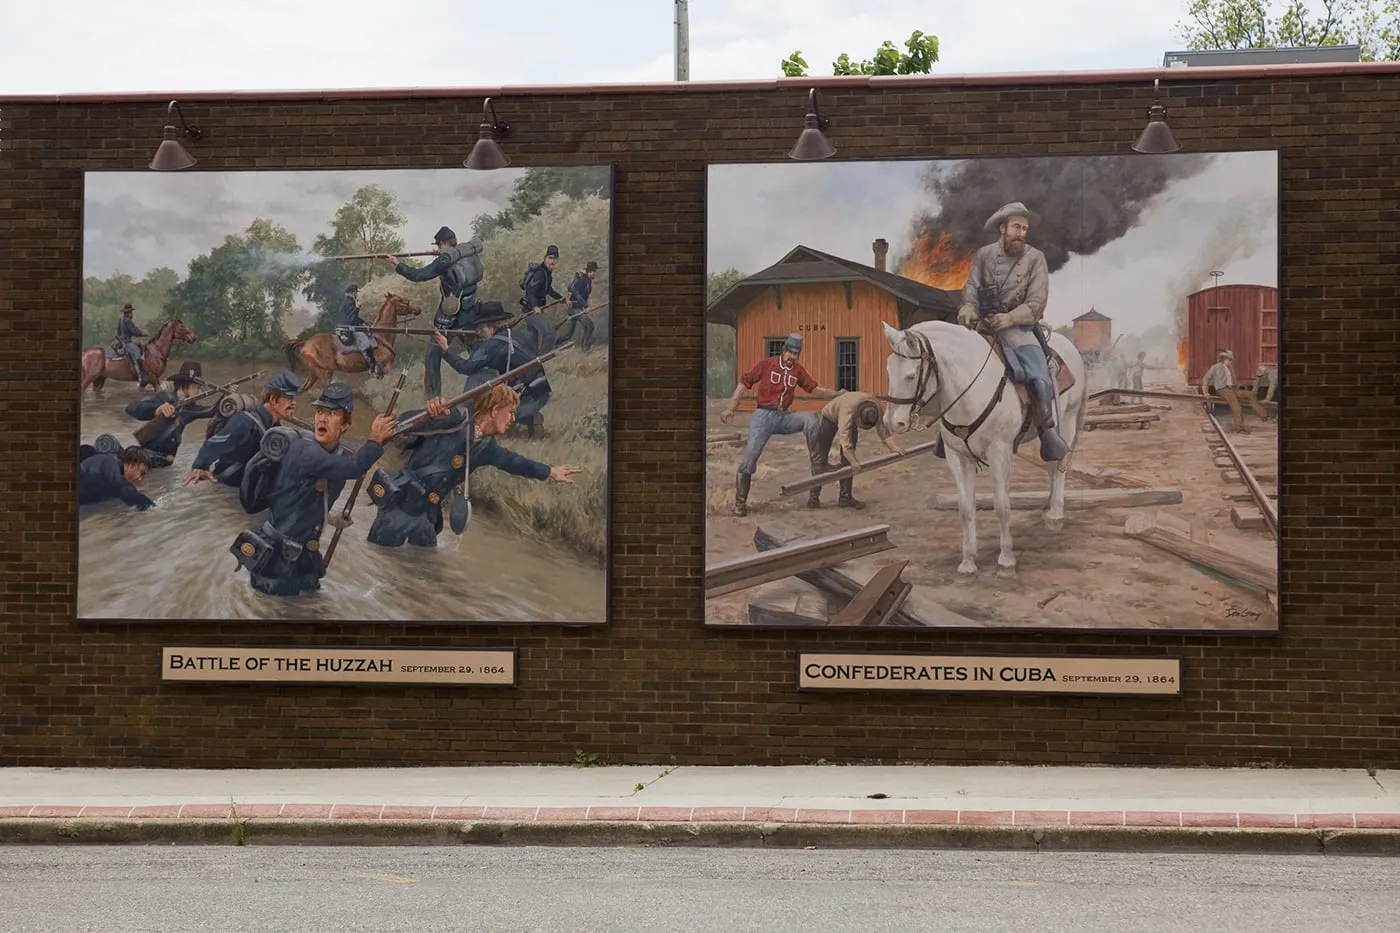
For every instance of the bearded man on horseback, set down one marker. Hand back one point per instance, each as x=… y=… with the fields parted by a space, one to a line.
x=1005 y=294
x=127 y=332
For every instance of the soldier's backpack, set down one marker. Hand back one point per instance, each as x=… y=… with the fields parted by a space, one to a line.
x=529 y=274
x=260 y=475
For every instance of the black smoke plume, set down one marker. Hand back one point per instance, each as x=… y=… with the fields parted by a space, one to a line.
x=1084 y=202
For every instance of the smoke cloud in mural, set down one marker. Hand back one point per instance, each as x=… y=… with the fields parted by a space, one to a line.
x=1084 y=204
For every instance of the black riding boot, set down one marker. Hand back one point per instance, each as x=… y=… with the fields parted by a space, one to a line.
x=819 y=465
x=370 y=363
x=848 y=501
x=1052 y=447
x=938 y=450
x=741 y=494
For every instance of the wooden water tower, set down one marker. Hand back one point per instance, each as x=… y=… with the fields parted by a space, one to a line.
x=1093 y=332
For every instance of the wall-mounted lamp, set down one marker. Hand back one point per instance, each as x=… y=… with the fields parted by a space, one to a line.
x=1156 y=137
x=486 y=154
x=812 y=145
x=171 y=156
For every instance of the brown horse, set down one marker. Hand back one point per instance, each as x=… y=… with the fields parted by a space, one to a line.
x=101 y=363
x=322 y=355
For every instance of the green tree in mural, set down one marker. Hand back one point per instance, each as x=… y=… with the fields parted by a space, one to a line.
x=720 y=353
x=537 y=187
x=370 y=222
x=103 y=298
x=1374 y=25
x=918 y=58
x=239 y=292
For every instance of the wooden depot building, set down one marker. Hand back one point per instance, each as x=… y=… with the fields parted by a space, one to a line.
x=838 y=306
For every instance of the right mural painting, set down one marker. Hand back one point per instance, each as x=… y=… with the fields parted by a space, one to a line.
x=999 y=393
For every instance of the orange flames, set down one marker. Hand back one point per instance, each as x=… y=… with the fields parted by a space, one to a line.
x=936 y=264
x=1181 y=354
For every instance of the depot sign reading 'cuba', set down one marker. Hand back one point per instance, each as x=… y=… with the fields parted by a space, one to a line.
x=990 y=674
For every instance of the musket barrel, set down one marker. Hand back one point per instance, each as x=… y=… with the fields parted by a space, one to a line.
x=485 y=387
x=377 y=255
x=359 y=483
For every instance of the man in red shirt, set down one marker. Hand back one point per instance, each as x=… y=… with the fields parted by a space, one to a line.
x=777 y=380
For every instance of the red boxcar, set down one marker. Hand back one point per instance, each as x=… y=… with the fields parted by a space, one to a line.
x=1241 y=318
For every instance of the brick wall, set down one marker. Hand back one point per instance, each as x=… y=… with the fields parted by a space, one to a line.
x=656 y=686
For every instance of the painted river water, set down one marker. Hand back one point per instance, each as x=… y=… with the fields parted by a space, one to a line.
x=173 y=561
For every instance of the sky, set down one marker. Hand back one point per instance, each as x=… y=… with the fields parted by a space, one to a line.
x=1225 y=219
x=138 y=221
x=86 y=46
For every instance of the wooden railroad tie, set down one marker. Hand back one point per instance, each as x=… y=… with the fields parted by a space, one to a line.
x=1075 y=499
x=740 y=573
x=1251 y=563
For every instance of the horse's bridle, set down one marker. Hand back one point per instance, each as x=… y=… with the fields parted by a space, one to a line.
x=928 y=374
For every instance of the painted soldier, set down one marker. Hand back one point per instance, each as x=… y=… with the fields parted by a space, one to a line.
x=502 y=350
x=127 y=332
x=442 y=452
x=1135 y=372
x=842 y=420
x=162 y=448
x=283 y=554
x=223 y=456
x=1266 y=381
x=1006 y=293
x=580 y=290
x=458 y=270
x=777 y=380
x=538 y=286
x=102 y=477
x=347 y=319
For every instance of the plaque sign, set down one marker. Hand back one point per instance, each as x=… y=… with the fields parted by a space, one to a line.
x=462 y=667
x=989 y=674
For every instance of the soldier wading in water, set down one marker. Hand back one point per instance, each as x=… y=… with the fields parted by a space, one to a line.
x=458 y=270
x=161 y=448
x=296 y=478
x=501 y=350
x=439 y=461
x=227 y=451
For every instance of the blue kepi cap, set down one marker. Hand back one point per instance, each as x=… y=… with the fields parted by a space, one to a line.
x=338 y=397
x=284 y=382
x=793 y=343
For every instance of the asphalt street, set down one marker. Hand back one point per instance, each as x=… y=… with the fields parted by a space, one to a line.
x=115 y=889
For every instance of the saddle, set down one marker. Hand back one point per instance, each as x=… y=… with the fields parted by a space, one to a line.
x=345 y=335
x=114 y=351
x=1064 y=379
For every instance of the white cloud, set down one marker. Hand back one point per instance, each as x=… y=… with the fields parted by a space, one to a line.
x=140 y=45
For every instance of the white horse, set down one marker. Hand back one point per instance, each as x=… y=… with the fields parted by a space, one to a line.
x=949 y=374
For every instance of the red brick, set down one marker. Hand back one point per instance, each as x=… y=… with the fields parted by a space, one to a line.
x=1267 y=820
x=1041 y=817
x=612 y=813
x=1096 y=818
x=503 y=814
x=105 y=813
x=985 y=817
x=1203 y=820
x=665 y=814
x=1327 y=821
x=823 y=816
x=717 y=814
x=561 y=814
x=406 y=813
x=300 y=811
x=877 y=816
x=1151 y=818
x=1378 y=821
x=160 y=812
x=350 y=811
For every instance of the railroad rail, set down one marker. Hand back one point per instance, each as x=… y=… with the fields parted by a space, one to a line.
x=741 y=573
x=1256 y=491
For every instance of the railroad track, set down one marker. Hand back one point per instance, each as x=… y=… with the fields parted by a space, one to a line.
x=1248 y=464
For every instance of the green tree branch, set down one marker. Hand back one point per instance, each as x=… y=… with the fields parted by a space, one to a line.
x=918 y=58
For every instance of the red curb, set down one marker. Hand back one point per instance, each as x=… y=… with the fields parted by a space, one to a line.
x=1041 y=817
x=1096 y=818
x=873 y=816
x=985 y=817
x=666 y=814
x=931 y=817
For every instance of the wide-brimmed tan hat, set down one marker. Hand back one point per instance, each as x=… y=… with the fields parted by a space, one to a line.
x=1014 y=209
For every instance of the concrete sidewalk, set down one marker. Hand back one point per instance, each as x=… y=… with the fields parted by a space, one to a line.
x=1034 y=807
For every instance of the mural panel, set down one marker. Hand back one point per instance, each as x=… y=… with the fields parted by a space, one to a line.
x=291 y=383
x=1008 y=393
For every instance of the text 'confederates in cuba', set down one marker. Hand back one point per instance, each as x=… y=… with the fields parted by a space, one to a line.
x=1066 y=675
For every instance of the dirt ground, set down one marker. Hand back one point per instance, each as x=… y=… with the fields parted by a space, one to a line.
x=1088 y=575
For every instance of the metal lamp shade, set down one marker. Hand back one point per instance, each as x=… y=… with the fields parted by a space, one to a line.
x=1156 y=137
x=812 y=144
x=486 y=154
x=171 y=156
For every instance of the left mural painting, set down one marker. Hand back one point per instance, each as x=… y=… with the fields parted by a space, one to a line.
x=291 y=382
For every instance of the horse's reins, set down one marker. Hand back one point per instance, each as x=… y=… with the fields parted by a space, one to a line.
x=928 y=367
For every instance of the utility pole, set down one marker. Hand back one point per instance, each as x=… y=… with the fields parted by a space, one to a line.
x=682 y=40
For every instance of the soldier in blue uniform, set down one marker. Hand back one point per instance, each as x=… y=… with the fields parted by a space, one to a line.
x=502 y=350
x=283 y=554
x=459 y=271
x=580 y=290
x=346 y=319
x=538 y=286
x=162 y=448
x=223 y=456
x=108 y=476
x=127 y=332
x=441 y=455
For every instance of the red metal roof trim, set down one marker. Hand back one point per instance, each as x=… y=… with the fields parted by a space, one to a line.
x=1023 y=79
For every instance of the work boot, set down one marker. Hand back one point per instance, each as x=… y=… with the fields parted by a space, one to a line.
x=741 y=494
x=536 y=425
x=814 y=498
x=819 y=465
x=847 y=500
x=1052 y=447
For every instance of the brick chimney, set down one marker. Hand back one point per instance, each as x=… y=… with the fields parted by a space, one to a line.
x=882 y=250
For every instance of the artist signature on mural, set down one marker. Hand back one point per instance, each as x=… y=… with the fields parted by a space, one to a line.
x=1235 y=612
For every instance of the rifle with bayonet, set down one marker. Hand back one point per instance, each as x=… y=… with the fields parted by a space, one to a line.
x=586 y=311
x=509 y=375
x=377 y=255
x=154 y=428
x=355 y=491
